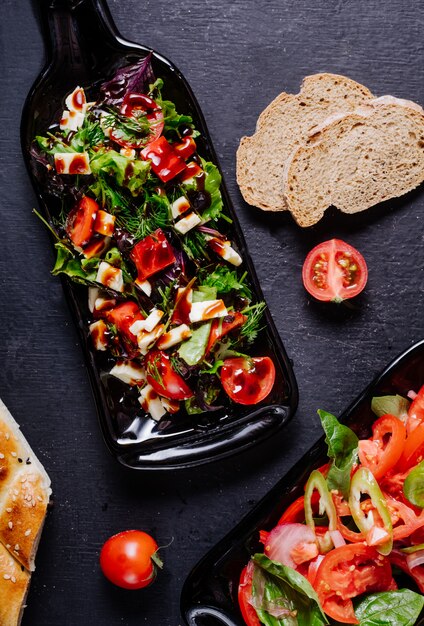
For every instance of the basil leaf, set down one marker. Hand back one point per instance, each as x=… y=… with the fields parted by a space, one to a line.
x=286 y=588
x=193 y=350
x=392 y=405
x=342 y=449
x=390 y=608
x=413 y=487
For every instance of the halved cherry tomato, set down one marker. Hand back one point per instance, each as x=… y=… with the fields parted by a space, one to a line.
x=163 y=378
x=383 y=451
x=165 y=161
x=129 y=559
x=152 y=254
x=123 y=317
x=80 y=222
x=334 y=271
x=133 y=105
x=248 y=381
x=244 y=595
x=346 y=573
x=224 y=325
x=416 y=412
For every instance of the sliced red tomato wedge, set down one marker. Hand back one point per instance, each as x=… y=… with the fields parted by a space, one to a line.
x=80 y=222
x=346 y=573
x=152 y=254
x=413 y=451
x=294 y=513
x=222 y=326
x=163 y=378
x=383 y=451
x=248 y=381
x=416 y=412
x=334 y=271
x=123 y=317
x=244 y=596
x=166 y=163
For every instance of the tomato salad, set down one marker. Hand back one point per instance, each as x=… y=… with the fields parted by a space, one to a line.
x=143 y=227
x=337 y=551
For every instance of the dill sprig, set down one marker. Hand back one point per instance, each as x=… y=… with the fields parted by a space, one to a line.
x=253 y=325
x=195 y=246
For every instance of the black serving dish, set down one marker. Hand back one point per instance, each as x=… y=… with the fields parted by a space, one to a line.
x=84 y=48
x=209 y=596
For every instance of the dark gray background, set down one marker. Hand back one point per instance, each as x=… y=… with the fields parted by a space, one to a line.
x=237 y=56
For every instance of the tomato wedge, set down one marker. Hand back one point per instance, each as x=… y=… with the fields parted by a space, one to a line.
x=413 y=451
x=244 y=595
x=334 y=271
x=248 y=381
x=223 y=326
x=152 y=254
x=294 y=513
x=81 y=220
x=346 y=573
x=383 y=451
x=164 y=379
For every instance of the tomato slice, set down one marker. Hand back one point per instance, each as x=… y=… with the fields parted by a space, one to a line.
x=81 y=220
x=152 y=254
x=383 y=451
x=347 y=572
x=165 y=161
x=416 y=411
x=248 y=381
x=413 y=451
x=244 y=595
x=163 y=378
x=123 y=317
x=223 y=326
x=334 y=271
x=294 y=513
x=398 y=559
x=134 y=104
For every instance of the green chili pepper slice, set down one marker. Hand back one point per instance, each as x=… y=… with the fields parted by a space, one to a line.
x=326 y=505
x=363 y=482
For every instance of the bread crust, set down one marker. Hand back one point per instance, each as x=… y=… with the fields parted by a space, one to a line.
x=372 y=174
x=284 y=125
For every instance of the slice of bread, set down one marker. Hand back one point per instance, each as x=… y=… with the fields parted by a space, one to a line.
x=283 y=126
x=357 y=160
x=14 y=585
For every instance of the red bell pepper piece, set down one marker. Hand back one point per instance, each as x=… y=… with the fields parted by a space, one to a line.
x=152 y=254
x=165 y=161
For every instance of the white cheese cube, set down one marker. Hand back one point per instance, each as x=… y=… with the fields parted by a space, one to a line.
x=174 y=336
x=180 y=206
x=130 y=153
x=230 y=255
x=72 y=163
x=104 y=223
x=98 y=332
x=151 y=403
x=106 y=129
x=137 y=327
x=202 y=311
x=93 y=294
x=129 y=372
x=110 y=276
x=153 y=319
x=71 y=120
x=147 y=340
x=104 y=303
x=187 y=223
x=144 y=286
x=76 y=101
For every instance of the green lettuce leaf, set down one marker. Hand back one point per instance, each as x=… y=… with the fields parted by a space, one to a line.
x=204 y=293
x=390 y=608
x=127 y=173
x=193 y=350
x=342 y=450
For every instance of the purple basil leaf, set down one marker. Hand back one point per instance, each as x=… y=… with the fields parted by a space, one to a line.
x=128 y=79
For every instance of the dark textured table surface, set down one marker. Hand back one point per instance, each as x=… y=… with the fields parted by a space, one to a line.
x=237 y=56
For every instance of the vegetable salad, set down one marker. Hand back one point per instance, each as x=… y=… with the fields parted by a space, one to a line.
x=143 y=227
x=340 y=552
